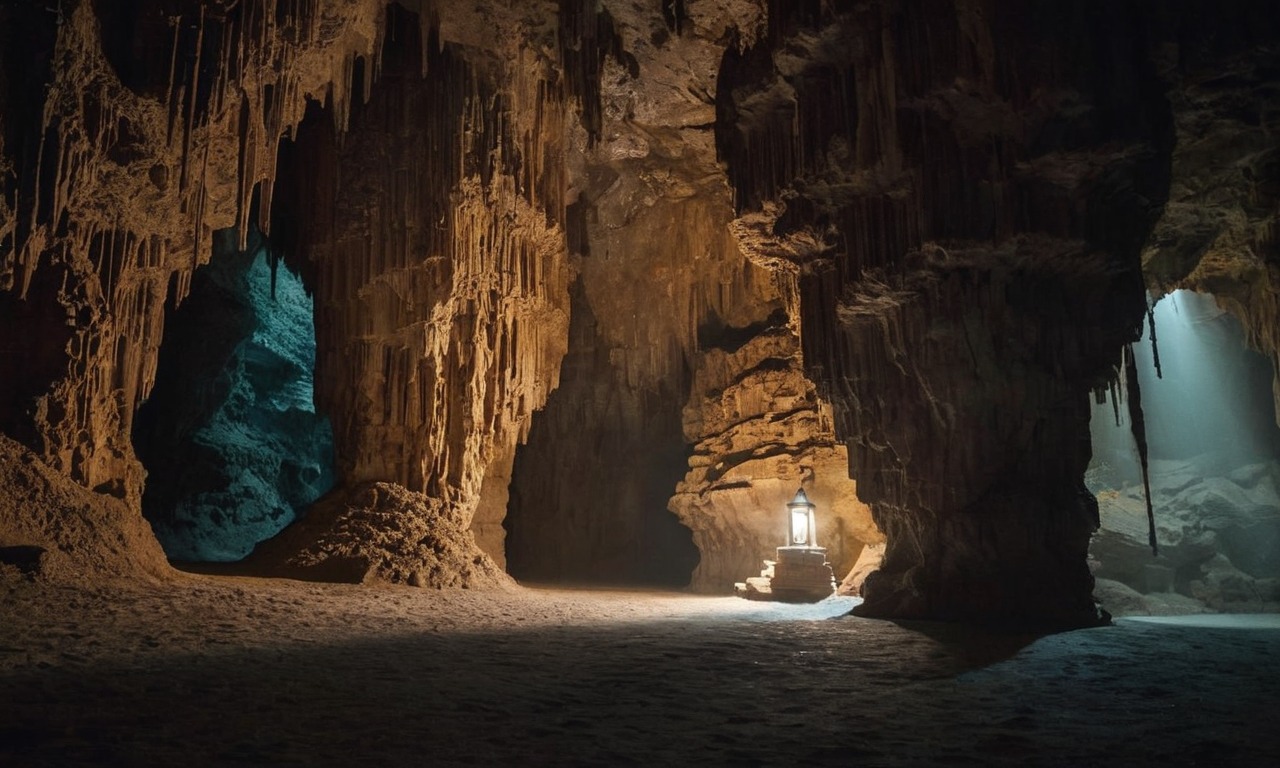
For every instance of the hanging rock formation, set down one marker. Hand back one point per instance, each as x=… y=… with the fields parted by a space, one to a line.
x=432 y=234
x=1220 y=229
x=963 y=188
x=137 y=130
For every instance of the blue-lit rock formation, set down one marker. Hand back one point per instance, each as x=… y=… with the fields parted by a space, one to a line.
x=230 y=437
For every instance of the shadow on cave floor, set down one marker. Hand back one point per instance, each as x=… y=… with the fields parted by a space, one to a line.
x=221 y=671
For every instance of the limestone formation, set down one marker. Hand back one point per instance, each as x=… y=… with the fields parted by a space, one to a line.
x=660 y=279
x=759 y=432
x=966 y=245
x=1218 y=234
x=139 y=129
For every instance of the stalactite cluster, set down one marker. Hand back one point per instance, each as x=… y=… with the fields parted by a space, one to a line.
x=129 y=161
x=433 y=237
x=1219 y=232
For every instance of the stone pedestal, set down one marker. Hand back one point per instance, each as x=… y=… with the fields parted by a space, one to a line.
x=800 y=575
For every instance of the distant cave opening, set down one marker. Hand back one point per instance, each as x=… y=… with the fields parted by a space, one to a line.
x=230 y=438
x=1214 y=468
x=589 y=490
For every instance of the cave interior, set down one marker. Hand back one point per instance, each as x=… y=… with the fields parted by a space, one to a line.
x=424 y=294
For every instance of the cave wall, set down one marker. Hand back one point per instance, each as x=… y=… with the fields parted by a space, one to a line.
x=662 y=290
x=432 y=234
x=948 y=203
x=229 y=437
x=1218 y=234
x=133 y=131
x=966 y=223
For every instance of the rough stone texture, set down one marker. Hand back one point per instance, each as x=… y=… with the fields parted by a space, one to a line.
x=55 y=530
x=659 y=278
x=432 y=234
x=868 y=562
x=381 y=532
x=138 y=129
x=951 y=197
x=1219 y=231
x=759 y=433
x=230 y=438
x=1219 y=535
x=964 y=188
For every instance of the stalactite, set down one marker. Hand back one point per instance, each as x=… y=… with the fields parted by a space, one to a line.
x=1137 y=424
x=1155 y=349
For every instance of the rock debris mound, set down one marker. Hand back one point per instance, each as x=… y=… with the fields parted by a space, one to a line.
x=381 y=532
x=53 y=529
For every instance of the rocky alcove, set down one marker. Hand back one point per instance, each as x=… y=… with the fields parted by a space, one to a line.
x=1214 y=470
x=229 y=436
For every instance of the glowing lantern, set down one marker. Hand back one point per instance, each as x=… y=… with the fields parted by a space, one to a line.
x=800 y=511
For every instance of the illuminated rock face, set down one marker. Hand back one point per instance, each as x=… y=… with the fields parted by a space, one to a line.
x=230 y=438
x=153 y=132
x=760 y=432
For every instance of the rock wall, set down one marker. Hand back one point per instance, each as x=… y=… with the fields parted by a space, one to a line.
x=964 y=189
x=663 y=289
x=760 y=432
x=1219 y=231
x=134 y=131
x=230 y=438
x=433 y=237
x=945 y=199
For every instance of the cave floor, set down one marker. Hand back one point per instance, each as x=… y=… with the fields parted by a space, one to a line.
x=236 y=671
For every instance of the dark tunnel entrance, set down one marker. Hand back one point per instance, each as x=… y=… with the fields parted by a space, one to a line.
x=232 y=444
x=1214 y=451
x=589 y=490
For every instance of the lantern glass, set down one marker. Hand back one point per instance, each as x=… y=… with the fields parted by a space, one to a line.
x=799 y=526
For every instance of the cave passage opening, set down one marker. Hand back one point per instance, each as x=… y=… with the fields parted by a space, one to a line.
x=589 y=489
x=230 y=437
x=1214 y=467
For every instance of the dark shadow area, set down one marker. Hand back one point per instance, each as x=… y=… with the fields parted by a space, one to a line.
x=589 y=490
x=232 y=444
x=34 y=335
x=656 y=693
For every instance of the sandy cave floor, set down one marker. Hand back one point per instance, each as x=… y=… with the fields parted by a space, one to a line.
x=238 y=671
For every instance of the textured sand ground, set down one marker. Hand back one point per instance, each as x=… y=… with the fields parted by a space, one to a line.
x=238 y=671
